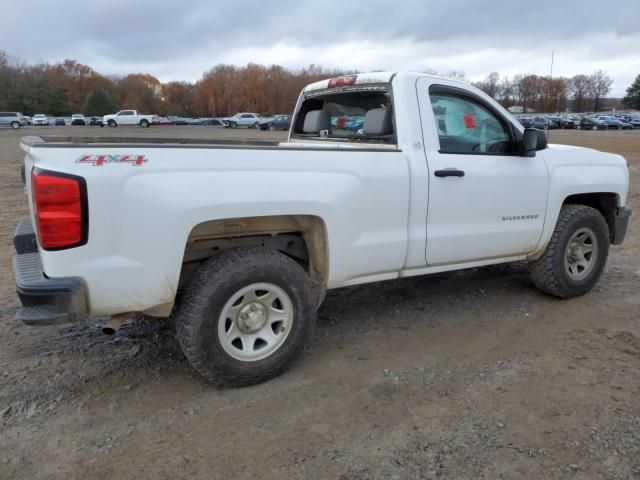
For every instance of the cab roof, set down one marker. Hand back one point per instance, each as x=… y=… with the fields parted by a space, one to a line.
x=368 y=78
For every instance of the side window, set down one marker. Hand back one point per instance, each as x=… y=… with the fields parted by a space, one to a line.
x=246 y=115
x=466 y=126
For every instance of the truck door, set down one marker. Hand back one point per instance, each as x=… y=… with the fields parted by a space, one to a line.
x=485 y=199
x=126 y=117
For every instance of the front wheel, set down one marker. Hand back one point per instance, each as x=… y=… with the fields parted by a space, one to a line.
x=576 y=254
x=245 y=316
x=112 y=123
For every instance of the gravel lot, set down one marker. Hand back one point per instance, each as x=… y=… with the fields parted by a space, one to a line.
x=465 y=375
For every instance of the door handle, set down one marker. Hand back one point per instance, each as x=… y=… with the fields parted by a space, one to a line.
x=449 y=172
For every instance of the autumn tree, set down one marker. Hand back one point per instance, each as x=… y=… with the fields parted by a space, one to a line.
x=99 y=103
x=632 y=98
x=178 y=98
x=58 y=102
x=140 y=91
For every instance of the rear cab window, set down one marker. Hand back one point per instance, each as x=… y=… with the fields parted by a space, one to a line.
x=357 y=114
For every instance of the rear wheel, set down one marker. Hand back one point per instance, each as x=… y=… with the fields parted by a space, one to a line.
x=576 y=254
x=15 y=125
x=245 y=316
x=144 y=123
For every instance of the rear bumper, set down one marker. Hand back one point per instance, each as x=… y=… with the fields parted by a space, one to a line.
x=45 y=301
x=622 y=224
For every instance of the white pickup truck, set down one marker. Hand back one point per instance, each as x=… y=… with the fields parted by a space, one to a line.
x=127 y=117
x=238 y=242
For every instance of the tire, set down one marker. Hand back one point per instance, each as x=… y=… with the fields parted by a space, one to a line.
x=205 y=332
x=15 y=125
x=557 y=272
x=272 y=128
x=233 y=125
x=112 y=123
x=144 y=123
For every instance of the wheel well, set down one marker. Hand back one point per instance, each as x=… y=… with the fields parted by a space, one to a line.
x=605 y=203
x=301 y=237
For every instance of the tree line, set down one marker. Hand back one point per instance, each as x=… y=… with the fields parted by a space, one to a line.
x=68 y=87
x=580 y=93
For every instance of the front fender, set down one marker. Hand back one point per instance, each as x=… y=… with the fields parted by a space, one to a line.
x=606 y=173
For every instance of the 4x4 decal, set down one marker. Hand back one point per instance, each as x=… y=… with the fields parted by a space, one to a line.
x=100 y=160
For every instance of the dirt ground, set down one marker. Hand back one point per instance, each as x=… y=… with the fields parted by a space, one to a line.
x=465 y=375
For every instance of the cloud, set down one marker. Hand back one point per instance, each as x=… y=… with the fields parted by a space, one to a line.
x=180 y=40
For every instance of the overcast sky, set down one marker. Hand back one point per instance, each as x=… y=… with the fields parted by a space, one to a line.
x=179 y=40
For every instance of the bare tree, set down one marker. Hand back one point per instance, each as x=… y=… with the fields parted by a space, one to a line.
x=600 y=87
x=579 y=86
x=490 y=85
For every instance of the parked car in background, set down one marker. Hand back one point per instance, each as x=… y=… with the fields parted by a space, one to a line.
x=613 y=122
x=39 y=119
x=216 y=122
x=542 y=123
x=177 y=120
x=559 y=122
x=28 y=118
x=591 y=123
x=161 y=121
x=12 y=119
x=59 y=122
x=78 y=119
x=213 y=122
x=277 y=122
x=94 y=121
x=128 y=117
x=249 y=120
x=193 y=121
x=526 y=122
x=635 y=122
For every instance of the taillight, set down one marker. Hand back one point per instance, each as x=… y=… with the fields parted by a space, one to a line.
x=60 y=209
x=342 y=81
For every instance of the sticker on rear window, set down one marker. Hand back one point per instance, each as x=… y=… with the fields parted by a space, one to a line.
x=100 y=160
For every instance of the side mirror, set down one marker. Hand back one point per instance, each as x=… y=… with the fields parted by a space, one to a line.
x=533 y=139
